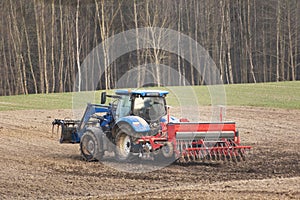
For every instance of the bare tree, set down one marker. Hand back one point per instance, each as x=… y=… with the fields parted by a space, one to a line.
x=228 y=41
x=137 y=44
x=52 y=44
x=105 y=19
x=77 y=46
x=44 y=46
x=249 y=43
x=16 y=40
x=278 y=14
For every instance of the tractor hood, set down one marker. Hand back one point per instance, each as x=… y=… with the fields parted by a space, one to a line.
x=138 y=124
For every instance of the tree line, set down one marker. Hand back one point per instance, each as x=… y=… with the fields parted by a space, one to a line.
x=44 y=42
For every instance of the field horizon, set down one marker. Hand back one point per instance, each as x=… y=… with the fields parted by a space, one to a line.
x=284 y=95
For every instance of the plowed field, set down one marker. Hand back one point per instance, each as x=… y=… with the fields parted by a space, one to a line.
x=34 y=165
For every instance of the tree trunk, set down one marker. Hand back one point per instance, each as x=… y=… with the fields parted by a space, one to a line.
x=221 y=53
x=189 y=27
x=7 y=89
x=29 y=57
x=101 y=21
x=243 y=38
x=282 y=57
x=264 y=56
x=178 y=43
x=249 y=44
x=39 y=47
x=296 y=41
x=77 y=47
x=278 y=40
x=44 y=47
x=14 y=32
x=228 y=41
x=52 y=46
x=291 y=42
x=137 y=46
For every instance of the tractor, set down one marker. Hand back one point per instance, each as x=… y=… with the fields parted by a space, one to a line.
x=137 y=125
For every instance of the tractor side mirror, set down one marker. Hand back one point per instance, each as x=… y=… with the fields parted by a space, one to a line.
x=103 y=97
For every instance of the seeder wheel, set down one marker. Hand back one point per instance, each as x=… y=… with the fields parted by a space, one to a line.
x=167 y=150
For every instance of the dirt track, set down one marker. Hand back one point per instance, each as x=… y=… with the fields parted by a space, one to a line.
x=34 y=165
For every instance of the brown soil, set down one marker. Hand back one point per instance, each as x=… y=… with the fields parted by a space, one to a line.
x=34 y=165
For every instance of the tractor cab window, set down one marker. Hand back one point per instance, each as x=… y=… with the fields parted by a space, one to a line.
x=149 y=108
x=123 y=108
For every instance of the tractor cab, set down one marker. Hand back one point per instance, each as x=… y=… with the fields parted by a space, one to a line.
x=150 y=105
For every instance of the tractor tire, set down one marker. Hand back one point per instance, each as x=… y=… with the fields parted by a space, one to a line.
x=124 y=142
x=91 y=146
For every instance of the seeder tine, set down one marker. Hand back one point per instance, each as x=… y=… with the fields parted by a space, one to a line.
x=236 y=155
x=192 y=156
x=232 y=155
x=208 y=156
x=223 y=155
x=212 y=155
x=242 y=155
x=228 y=157
x=187 y=158
x=218 y=156
x=197 y=155
x=203 y=156
x=233 y=158
x=181 y=159
x=215 y=155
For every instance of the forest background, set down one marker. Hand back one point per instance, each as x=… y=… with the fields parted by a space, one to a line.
x=44 y=42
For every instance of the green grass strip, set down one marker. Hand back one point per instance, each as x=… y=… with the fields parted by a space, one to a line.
x=274 y=95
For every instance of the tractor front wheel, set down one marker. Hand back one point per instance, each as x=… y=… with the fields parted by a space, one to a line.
x=124 y=144
x=90 y=146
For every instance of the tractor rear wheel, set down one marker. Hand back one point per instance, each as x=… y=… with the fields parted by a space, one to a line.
x=90 y=146
x=124 y=142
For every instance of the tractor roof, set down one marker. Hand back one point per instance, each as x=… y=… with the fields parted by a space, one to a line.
x=143 y=93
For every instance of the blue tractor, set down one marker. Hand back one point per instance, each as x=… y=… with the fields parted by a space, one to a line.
x=120 y=126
